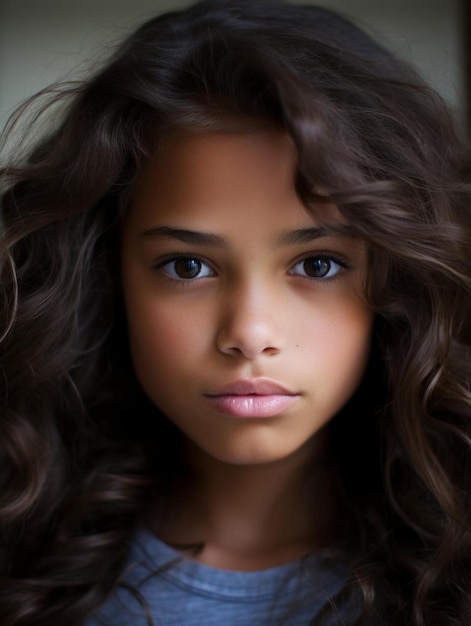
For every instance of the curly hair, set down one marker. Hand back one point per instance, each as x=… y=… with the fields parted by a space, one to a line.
x=78 y=452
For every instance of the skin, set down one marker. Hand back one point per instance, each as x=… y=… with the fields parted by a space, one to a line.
x=251 y=311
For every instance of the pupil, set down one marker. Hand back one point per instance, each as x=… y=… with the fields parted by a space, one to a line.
x=187 y=268
x=317 y=267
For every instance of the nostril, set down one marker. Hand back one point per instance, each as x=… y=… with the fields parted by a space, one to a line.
x=270 y=351
x=248 y=333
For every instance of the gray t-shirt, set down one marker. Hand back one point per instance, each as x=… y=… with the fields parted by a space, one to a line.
x=177 y=591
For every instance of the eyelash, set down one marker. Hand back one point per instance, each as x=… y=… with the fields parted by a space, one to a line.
x=326 y=256
x=182 y=257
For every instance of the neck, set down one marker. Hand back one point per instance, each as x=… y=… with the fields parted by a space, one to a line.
x=251 y=516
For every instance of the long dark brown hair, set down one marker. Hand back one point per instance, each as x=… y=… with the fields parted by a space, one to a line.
x=79 y=452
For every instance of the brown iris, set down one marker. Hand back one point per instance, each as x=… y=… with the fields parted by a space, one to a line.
x=317 y=267
x=187 y=267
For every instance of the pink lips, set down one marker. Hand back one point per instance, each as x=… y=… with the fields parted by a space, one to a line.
x=254 y=398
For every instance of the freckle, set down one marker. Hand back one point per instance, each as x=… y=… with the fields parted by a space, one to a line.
x=297 y=345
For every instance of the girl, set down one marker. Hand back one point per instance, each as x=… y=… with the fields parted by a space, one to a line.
x=235 y=336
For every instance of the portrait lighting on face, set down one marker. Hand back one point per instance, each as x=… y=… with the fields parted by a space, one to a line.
x=236 y=295
x=235 y=335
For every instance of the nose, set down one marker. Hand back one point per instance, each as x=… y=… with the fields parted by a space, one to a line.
x=250 y=323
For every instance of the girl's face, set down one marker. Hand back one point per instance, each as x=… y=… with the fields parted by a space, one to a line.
x=247 y=324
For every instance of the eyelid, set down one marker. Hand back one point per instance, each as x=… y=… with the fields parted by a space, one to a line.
x=172 y=258
x=339 y=258
x=335 y=257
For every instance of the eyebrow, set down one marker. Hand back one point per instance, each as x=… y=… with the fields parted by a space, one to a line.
x=305 y=235
x=292 y=237
x=188 y=236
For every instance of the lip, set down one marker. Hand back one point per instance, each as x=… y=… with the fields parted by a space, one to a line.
x=252 y=398
x=252 y=386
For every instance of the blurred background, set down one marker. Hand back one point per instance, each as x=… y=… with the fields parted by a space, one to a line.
x=42 y=41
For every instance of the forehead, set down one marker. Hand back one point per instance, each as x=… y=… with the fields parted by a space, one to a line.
x=192 y=175
x=219 y=157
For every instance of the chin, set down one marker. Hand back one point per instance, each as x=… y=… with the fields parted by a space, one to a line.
x=253 y=453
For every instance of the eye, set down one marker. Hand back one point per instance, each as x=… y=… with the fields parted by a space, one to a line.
x=318 y=267
x=186 y=268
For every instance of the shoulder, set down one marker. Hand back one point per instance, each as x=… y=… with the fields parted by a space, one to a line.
x=173 y=590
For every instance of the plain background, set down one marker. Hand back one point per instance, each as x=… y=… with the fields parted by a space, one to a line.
x=42 y=41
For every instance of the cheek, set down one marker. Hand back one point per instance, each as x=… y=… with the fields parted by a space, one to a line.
x=336 y=342
x=352 y=337
x=162 y=337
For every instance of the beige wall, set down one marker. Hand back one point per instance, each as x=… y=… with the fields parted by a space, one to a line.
x=45 y=40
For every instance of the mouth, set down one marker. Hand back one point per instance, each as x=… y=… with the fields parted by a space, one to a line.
x=252 y=398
